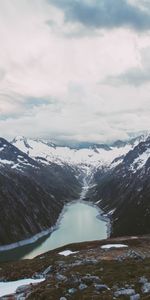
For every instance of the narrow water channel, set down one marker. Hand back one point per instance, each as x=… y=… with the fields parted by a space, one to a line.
x=79 y=222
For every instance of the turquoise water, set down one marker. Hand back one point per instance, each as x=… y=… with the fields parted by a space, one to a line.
x=79 y=222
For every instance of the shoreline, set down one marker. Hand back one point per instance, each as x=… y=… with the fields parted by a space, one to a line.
x=29 y=241
x=37 y=236
x=50 y=230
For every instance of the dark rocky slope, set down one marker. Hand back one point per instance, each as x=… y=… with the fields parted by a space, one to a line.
x=32 y=195
x=125 y=191
x=33 y=192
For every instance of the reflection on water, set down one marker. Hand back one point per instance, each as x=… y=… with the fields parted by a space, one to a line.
x=79 y=223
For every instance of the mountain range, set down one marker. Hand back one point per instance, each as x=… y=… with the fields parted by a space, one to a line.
x=38 y=178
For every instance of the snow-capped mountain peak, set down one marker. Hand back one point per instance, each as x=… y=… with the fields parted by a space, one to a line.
x=46 y=152
x=11 y=156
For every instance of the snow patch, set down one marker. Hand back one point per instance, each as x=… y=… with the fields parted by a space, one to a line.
x=117 y=246
x=7 y=288
x=110 y=213
x=140 y=161
x=98 y=201
x=6 y=162
x=67 y=252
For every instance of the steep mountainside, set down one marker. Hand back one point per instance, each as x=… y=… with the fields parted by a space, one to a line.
x=32 y=194
x=37 y=178
x=124 y=192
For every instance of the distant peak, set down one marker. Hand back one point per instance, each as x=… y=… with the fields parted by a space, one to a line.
x=19 y=138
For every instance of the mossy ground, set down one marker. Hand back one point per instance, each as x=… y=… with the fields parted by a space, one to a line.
x=90 y=259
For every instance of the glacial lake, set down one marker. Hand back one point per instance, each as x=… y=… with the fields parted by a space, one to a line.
x=79 y=222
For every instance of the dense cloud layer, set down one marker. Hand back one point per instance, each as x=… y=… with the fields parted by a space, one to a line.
x=74 y=70
x=136 y=76
x=105 y=13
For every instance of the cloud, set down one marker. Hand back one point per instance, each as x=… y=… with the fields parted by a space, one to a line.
x=142 y=4
x=136 y=76
x=50 y=74
x=79 y=118
x=106 y=14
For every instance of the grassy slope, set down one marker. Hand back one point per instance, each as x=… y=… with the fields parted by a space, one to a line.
x=106 y=265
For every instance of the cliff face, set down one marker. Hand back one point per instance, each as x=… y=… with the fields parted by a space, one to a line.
x=32 y=194
x=124 y=192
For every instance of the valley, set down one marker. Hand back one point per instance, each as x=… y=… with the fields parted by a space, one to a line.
x=53 y=197
x=39 y=178
x=79 y=221
x=75 y=150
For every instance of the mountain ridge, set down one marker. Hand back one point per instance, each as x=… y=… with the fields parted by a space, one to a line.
x=32 y=194
x=33 y=168
x=125 y=189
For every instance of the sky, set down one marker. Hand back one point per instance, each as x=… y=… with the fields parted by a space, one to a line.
x=74 y=70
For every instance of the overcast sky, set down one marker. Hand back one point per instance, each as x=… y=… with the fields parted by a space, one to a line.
x=74 y=69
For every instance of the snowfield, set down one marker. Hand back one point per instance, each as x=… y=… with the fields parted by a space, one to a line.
x=39 y=149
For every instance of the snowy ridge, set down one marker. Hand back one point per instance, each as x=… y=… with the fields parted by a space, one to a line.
x=48 y=153
x=138 y=158
x=13 y=158
x=140 y=161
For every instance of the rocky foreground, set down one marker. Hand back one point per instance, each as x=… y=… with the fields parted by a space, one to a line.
x=91 y=270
